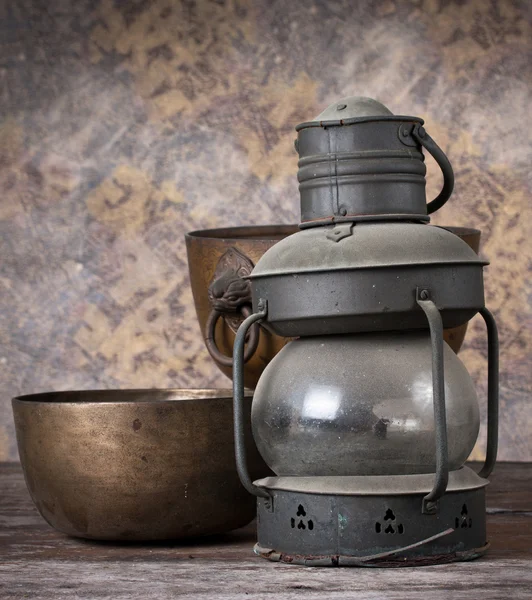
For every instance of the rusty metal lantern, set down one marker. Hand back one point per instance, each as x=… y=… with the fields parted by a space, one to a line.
x=367 y=417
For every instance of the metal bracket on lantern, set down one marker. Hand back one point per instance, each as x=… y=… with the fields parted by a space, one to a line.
x=493 y=393
x=238 y=401
x=430 y=501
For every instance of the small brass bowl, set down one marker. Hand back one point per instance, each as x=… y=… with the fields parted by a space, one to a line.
x=135 y=464
x=217 y=256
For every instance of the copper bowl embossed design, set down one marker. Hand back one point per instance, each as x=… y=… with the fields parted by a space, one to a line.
x=211 y=254
x=217 y=258
x=135 y=464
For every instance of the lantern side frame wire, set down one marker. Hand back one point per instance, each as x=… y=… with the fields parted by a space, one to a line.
x=238 y=400
x=493 y=393
x=430 y=501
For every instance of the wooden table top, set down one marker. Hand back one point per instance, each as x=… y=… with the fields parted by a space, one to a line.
x=38 y=562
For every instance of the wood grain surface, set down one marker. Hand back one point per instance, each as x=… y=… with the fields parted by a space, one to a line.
x=125 y=124
x=37 y=562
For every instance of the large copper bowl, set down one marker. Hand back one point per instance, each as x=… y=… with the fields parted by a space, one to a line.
x=135 y=464
x=214 y=252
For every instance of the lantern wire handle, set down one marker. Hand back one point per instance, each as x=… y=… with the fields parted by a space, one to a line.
x=493 y=393
x=421 y=136
x=430 y=501
x=238 y=400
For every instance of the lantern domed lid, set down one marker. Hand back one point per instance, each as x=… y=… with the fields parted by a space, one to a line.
x=364 y=246
x=352 y=110
x=353 y=107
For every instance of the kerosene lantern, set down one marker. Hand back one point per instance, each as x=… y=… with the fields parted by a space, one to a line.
x=367 y=417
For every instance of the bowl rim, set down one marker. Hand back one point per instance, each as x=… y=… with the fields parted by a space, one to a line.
x=271 y=232
x=244 y=232
x=458 y=230
x=127 y=396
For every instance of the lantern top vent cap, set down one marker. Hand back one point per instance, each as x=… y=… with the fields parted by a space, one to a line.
x=353 y=107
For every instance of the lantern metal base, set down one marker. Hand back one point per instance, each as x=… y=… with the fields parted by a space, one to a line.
x=371 y=530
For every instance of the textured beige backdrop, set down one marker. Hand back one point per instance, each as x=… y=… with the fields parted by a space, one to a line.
x=123 y=125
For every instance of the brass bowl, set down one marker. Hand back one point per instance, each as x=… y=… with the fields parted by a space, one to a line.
x=135 y=464
x=218 y=256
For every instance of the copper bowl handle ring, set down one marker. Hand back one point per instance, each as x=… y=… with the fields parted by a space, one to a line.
x=210 y=342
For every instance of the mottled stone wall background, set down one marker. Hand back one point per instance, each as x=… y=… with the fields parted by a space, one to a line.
x=125 y=124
